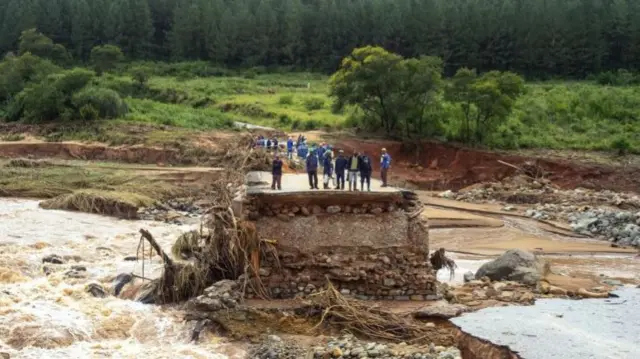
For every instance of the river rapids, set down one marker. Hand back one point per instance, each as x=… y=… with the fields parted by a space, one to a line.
x=53 y=316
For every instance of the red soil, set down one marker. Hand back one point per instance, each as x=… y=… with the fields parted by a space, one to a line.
x=441 y=167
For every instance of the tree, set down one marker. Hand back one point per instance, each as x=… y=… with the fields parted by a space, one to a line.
x=421 y=85
x=486 y=101
x=140 y=75
x=36 y=43
x=105 y=57
x=395 y=94
x=368 y=79
x=130 y=26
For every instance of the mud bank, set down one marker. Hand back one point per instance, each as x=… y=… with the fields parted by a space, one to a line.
x=78 y=151
x=476 y=348
x=443 y=167
x=557 y=328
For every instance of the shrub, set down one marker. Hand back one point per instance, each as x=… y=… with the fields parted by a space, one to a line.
x=621 y=145
x=49 y=100
x=310 y=125
x=106 y=57
x=106 y=102
x=286 y=100
x=18 y=72
x=284 y=119
x=314 y=103
x=140 y=76
x=250 y=74
x=89 y=113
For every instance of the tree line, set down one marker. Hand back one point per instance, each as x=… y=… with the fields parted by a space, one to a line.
x=405 y=97
x=539 y=39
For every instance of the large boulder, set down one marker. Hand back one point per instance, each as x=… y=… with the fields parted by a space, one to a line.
x=514 y=265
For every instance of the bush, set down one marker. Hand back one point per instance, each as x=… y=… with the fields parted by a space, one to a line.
x=49 y=100
x=106 y=102
x=16 y=73
x=250 y=74
x=310 y=125
x=621 y=145
x=106 y=57
x=314 y=103
x=89 y=113
x=140 y=76
x=622 y=77
x=286 y=100
x=284 y=119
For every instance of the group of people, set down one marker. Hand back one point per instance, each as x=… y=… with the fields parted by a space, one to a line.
x=268 y=143
x=337 y=170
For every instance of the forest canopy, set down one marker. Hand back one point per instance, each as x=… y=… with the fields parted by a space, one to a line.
x=539 y=39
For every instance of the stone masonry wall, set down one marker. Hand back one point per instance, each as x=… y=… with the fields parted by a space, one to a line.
x=370 y=249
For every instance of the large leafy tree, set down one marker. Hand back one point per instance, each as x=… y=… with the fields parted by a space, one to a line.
x=486 y=101
x=397 y=95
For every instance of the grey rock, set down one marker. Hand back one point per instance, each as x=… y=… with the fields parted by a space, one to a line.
x=389 y=282
x=514 y=264
x=96 y=290
x=333 y=209
x=121 y=280
x=469 y=276
x=53 y=259
x=444 y=311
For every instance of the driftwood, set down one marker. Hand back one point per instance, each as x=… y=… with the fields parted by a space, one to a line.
x=165 y=258
x=439 y=260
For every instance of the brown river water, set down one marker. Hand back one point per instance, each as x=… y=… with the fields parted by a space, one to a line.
x=54 y=317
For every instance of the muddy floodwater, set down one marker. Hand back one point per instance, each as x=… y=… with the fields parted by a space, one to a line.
x=54 y=317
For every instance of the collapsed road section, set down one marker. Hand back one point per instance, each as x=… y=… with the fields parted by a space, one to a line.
x=371 y=245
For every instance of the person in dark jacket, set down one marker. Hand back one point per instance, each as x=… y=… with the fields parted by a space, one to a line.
x=312 y=169
x=327 y=166
x=276 y=171
x=365 y=168
x=341 y=167
x=268 y=144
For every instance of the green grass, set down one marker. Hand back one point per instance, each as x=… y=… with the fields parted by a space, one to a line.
x=553 y=115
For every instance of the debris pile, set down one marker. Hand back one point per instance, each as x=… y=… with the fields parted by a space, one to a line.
x=619 y=227
x=522 y=189
x=350 y=347
x=477 y=293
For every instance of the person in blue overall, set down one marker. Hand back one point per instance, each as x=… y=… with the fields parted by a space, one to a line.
x=290 y=148
x=312 y=169
x=327 y=165
x=341 y=166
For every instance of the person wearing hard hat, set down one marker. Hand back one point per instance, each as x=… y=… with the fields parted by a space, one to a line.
x=385 y=163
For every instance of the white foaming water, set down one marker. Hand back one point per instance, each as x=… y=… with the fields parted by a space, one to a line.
x=54 y=317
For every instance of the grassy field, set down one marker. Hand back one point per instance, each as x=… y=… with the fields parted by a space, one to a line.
x=560 y=115
x=550 y=115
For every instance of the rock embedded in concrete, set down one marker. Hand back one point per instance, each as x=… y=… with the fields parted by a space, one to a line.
x=333 y=209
